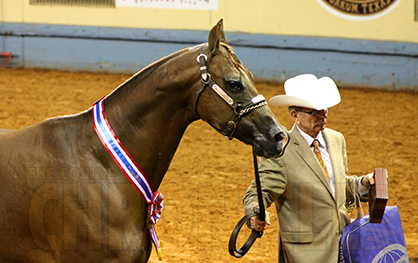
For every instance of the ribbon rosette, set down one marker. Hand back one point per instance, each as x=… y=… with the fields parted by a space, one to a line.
x=155 y=207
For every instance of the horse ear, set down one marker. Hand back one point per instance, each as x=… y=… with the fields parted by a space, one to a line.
x=216 y=35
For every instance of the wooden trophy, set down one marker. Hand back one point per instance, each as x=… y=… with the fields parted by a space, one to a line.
x=378 y=195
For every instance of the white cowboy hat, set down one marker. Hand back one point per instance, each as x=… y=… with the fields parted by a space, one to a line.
x=308 y=91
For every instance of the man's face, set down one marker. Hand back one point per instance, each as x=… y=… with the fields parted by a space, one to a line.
x=310 y=121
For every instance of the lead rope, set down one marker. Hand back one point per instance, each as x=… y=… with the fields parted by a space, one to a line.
x=260 y=212
x=262 y=215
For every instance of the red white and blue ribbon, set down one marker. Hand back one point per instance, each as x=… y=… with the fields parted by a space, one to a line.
x=130 y=169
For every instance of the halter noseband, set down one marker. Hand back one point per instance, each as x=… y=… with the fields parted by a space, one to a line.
x=240 y=109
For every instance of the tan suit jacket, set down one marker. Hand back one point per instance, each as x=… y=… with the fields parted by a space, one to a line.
x=311 y=217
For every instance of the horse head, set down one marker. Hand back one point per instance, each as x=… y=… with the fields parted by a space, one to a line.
x=228 y=99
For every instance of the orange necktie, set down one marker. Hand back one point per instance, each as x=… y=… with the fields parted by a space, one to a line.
x=319 y=157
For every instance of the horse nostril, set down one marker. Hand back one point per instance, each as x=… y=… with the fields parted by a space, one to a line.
x=280 y=136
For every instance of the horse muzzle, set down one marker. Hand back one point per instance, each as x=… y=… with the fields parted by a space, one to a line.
x=272 y=148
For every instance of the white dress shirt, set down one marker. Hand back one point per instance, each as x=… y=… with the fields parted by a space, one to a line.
x=363 y=190
x=324 y=153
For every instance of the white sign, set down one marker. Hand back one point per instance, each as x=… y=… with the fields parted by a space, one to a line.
x=170 y=4
x=359 y=10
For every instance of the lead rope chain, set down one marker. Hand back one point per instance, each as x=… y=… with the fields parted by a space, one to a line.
x=131 y=170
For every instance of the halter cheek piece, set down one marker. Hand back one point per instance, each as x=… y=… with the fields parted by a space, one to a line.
x=240 y=109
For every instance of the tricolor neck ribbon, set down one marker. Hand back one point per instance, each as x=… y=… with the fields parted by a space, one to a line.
x=130 y=169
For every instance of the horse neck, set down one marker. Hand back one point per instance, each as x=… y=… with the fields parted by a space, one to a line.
x=150 y=112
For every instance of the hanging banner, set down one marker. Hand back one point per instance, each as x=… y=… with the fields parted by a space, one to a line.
x=170 y=4
x=359 y=10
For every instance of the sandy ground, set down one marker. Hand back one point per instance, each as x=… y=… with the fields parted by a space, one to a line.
x=204 y=186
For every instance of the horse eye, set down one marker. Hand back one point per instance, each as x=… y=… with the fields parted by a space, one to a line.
x=234 y=85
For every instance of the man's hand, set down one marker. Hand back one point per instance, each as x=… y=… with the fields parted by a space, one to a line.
x=258 y=225
x=368 y=180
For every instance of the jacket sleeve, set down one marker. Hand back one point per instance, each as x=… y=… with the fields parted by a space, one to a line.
x=273 y=184
x=352 y=182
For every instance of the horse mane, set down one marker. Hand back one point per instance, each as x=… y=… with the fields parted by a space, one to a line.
x=146 y=71
x=143 y=73
x=235 y=57
x=138 y=76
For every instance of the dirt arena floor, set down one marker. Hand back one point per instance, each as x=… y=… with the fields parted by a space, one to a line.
x=204 y=186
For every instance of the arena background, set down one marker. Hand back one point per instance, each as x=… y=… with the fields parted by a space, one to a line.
x=275 y=40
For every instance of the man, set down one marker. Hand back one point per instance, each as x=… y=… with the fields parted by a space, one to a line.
x=309 y=186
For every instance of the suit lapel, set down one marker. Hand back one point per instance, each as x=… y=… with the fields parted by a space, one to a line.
x=308 y=156
x=331 y=147
x=334 y=151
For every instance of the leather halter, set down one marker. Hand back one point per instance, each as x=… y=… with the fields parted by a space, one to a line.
x=240 y=109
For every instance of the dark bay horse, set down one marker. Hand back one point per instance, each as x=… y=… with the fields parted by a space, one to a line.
x=62 y=196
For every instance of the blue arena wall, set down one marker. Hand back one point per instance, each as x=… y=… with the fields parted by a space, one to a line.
x=350 y=62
